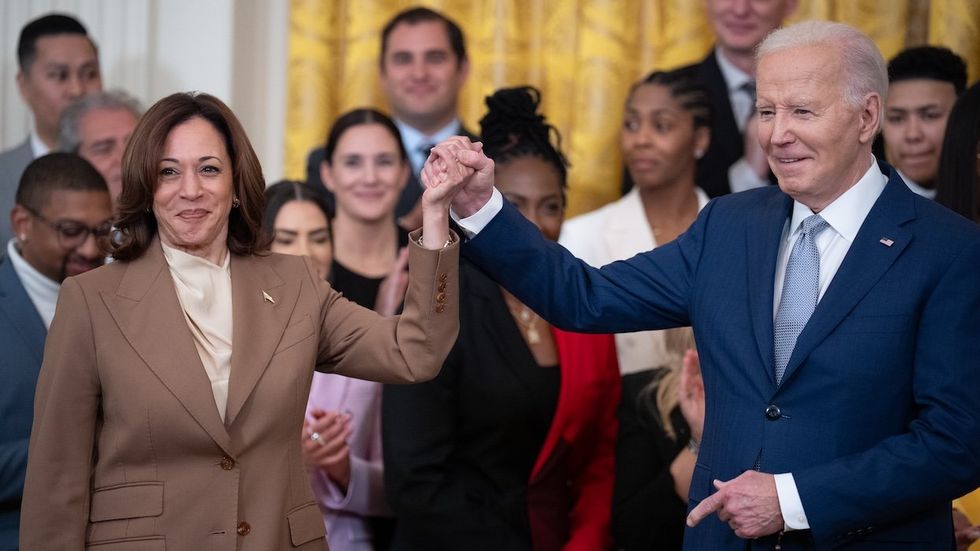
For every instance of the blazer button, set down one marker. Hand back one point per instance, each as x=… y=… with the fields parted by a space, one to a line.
x=772 y=412
x=443 y=277
x=243 y=528
x=441 y=297
x=440 y=308
x=442 y=287
x=227 y=463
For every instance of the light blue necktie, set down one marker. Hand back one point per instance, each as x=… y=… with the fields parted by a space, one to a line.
x=801 y=287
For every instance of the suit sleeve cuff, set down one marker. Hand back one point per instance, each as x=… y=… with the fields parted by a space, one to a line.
x=472 y=225
x=790 y=505
x=741 y=177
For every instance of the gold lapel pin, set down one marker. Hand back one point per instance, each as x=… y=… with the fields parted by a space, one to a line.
x=886 y=242
x=267 y=298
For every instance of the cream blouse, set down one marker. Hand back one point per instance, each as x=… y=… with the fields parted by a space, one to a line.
x=204 y=291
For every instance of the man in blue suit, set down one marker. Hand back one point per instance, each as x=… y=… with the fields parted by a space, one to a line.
x=837 y=317
x=61 y=219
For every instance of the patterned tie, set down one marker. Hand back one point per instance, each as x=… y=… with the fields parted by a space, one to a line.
x=801 y=287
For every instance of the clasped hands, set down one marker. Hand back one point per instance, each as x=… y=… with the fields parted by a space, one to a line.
x=458 y=173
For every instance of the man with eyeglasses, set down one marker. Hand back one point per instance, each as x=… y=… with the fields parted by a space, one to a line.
x=61 y=221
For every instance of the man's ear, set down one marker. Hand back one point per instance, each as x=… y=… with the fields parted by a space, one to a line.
x=22 y=222
x=870 y=116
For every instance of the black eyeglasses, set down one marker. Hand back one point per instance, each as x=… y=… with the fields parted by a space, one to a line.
x=72 y=233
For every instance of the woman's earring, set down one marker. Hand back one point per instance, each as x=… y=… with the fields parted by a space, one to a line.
x=698 y=154
x=234 y=203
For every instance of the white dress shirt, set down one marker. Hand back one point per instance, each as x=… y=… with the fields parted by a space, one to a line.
x=916 y=188
x=414 y=140
x=741 y=176
x=38 y=147
x=739 y=99
x=845 y=215
x=42 y=290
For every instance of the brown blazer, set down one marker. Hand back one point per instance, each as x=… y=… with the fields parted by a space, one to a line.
x=128 y=451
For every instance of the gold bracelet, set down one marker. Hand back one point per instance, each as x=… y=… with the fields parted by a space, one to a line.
x=446 y=244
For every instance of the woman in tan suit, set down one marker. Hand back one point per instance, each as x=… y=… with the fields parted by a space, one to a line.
x=175 y=379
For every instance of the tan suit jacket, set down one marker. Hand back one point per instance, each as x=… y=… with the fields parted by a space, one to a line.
x=128 y=451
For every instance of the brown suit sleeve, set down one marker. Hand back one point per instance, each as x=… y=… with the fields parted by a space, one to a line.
x=357 y=342
x=55 y=508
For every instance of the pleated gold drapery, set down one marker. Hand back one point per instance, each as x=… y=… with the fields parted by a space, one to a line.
x=583 y=55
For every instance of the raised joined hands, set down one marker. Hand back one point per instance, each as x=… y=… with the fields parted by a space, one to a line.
x=458 y=169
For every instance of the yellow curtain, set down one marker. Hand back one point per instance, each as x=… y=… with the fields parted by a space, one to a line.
x=582 y=54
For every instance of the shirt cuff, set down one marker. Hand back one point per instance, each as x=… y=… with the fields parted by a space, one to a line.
x=790 y=505
x=741 y=177
x=472 y=225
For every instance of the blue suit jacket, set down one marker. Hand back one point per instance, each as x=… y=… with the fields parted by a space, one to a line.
x=876 y=417
x=22 y=336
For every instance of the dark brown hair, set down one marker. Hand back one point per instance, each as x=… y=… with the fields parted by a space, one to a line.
x=136 y=224
x=419 y=14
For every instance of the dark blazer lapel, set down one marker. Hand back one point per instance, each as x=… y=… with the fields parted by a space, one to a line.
x=501 y=328
x=18 y=307
x=258 y=324
x=866 y=261
x=725 y=133
x=148 y=314
x=763 y=236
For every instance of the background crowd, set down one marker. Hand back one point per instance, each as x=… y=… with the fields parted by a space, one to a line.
x=530 y=437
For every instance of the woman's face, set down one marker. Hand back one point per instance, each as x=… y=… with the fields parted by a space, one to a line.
x=659 y=141
x=193 y=196
x=533 y=185
x=366 y=173
x=301 y=228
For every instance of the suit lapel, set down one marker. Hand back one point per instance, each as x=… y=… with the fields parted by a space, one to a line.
x=148 y=314
x=764 y=234
x=258 y=324
x=866 y=261
x=627 y=230
x=502 y=330
x=18 y=307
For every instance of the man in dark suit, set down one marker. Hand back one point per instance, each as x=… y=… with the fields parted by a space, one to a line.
x=57 y=63
x=733 y=161
x=423 y=67
x=62 y=213
x=836 y=318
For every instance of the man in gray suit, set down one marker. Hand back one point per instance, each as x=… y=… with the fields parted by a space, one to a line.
x=62 y=220
x=57 y=62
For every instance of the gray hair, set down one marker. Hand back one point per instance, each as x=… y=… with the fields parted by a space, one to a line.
x=863 y=70
x=68 y=125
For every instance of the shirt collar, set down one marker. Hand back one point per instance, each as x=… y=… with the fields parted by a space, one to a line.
x=915 y=187
x=42 y=290
x=735 y=78
x=846 y=213
x=413 y=139
x=38 y=147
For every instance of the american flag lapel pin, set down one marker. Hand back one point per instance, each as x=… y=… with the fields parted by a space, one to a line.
x=267 y=298
x=886 y=242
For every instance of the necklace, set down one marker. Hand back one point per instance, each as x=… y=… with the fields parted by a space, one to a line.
x=528 y=321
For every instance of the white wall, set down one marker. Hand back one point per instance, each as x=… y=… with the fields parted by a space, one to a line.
x=235 y=50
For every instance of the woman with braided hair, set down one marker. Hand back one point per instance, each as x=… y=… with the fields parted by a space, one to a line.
x=511 y=447
x=666 y=129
